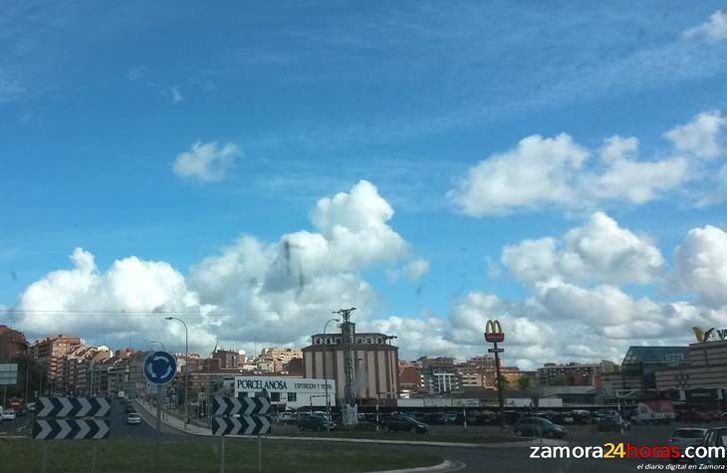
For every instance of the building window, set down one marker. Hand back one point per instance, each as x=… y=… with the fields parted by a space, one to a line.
x=292 y=397
x=242 y=394
x=275 y=397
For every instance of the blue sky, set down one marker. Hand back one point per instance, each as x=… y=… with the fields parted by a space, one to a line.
x=98 y=101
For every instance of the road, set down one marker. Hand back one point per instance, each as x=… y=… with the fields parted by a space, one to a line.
x=21 y=426
x=121 y=430
x=518 y=459
x=515 y=459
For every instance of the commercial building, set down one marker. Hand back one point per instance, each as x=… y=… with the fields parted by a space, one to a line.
x=636 y=378
x=570 y=395
x=373 y=363
x=289 y=392
x=701 y=379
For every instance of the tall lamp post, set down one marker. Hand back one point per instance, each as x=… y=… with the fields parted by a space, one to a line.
x=495 y=335
x=186 y=369
x=154 y=342
x=325 y=375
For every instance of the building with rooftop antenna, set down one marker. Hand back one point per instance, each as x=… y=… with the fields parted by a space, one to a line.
x=364 y=366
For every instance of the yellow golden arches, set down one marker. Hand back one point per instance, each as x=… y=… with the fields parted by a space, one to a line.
x=494 y=332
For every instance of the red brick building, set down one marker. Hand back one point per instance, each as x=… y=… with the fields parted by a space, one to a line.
x=12 y=343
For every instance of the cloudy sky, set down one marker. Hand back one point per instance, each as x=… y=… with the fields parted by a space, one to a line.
x=252 y=168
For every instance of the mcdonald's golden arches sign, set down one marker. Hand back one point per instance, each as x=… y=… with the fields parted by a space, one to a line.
x=493 y=332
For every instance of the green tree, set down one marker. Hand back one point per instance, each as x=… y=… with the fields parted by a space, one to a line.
x=524 y=383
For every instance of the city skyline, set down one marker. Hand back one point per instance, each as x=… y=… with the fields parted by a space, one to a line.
x=240 y=181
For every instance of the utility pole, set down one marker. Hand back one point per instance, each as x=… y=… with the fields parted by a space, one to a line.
x=27 y=381
x=325 y=374
x=348 y=334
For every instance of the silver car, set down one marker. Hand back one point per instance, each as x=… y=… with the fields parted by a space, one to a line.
x=687 y=437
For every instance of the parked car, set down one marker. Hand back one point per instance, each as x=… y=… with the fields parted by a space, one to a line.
x=133 y=418
x=8 y=414
x=714 y=437
x=398 y=423
x=596 y=417
x=686 y=437
x=538 y=427
x=315 y=422
x=287 y=417
x=611 y=421
x=418 y=416
x=581 y=416
x=449 y=417
x=564 y=418
x=477 y=418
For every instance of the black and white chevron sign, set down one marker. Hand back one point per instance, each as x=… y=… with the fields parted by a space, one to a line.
x=230 y=406
x=73 y=407
x=243 y=425
x=70 y=429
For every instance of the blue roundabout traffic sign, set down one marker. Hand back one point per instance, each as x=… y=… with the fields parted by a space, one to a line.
x=160 y=367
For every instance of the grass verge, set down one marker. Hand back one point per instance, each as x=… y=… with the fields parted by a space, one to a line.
x=203 y=455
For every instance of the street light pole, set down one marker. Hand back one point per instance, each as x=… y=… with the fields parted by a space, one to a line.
x=325 y=374
x=186 y=369
x=152 y=342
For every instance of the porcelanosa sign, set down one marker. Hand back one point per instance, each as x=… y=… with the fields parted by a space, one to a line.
x=248 y=384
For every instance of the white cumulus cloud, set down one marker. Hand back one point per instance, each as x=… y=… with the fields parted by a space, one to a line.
x=413 y=270
x=599 y=251
x=285 y=290
x=559 y=173
x=713 y=29
x=537 y=173
x=276 y=293
x=129 y=297
x=206 y=162
x=703 y=137
x=701 y=262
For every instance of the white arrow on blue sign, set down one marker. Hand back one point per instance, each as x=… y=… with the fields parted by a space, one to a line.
x=160 y=367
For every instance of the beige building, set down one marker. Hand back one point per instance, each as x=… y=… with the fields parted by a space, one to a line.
x=49 y=352
x=375 y=364
x=277 y=360
x=704 y=371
